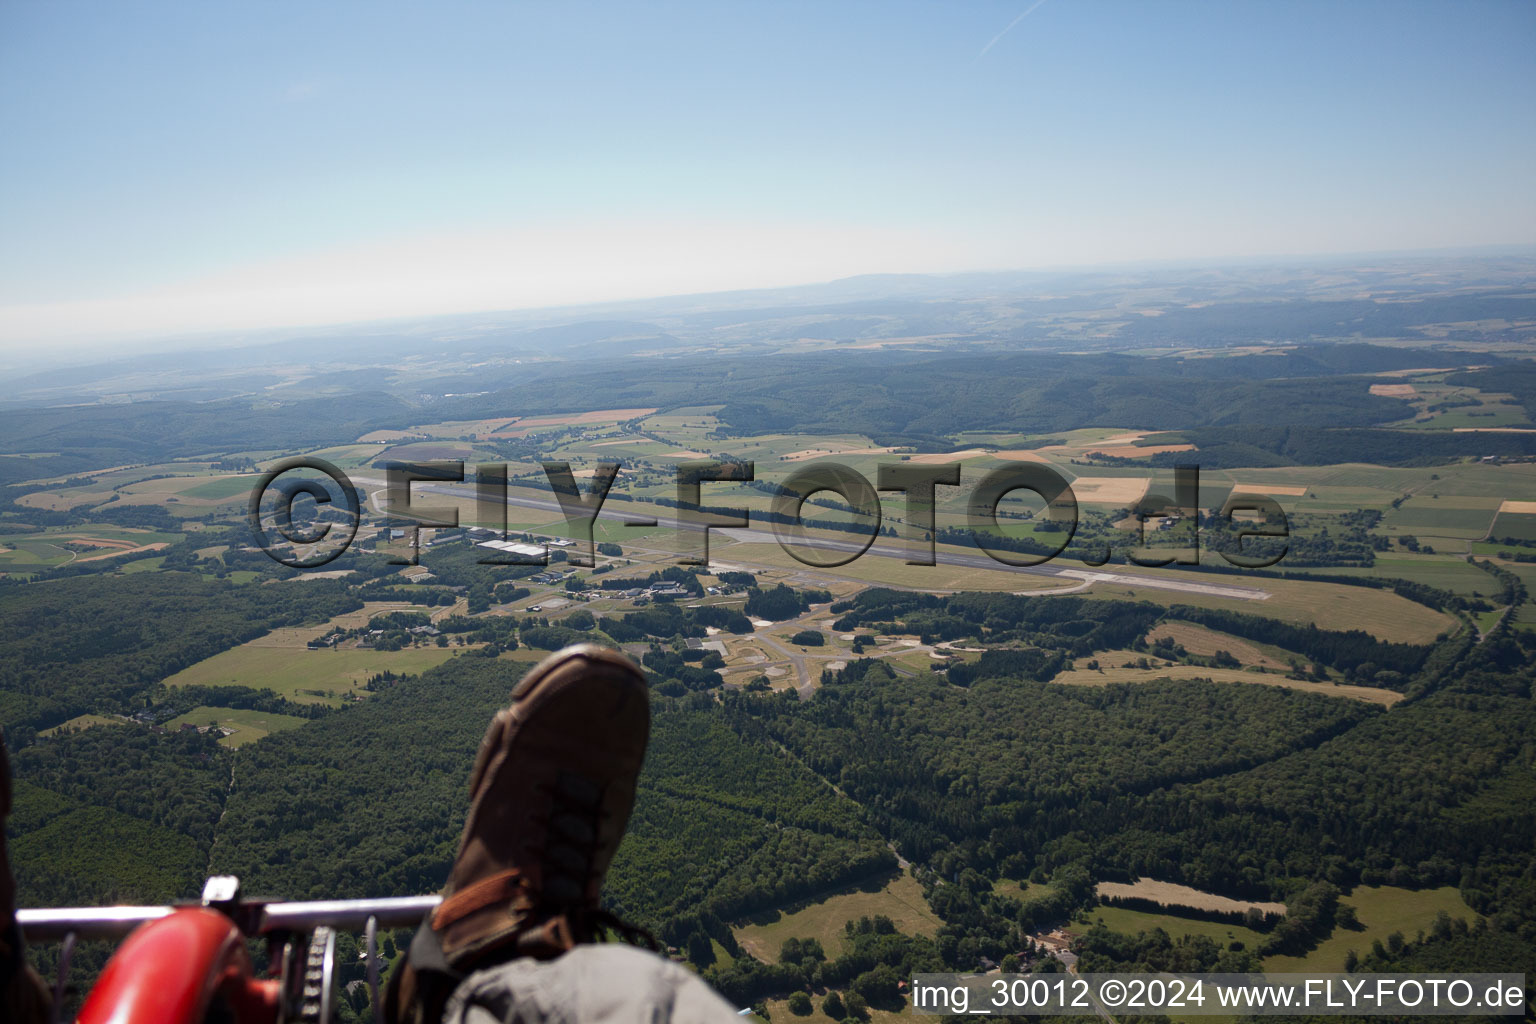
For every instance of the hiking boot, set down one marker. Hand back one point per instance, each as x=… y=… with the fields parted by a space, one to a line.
x=550 y=795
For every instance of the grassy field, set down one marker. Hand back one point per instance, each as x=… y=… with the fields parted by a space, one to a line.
x=305 y=676
x=33 y=551
x=1519 y=525
x=347 y=456
x=223 y=488
x=900 y=899
x=1200 y=640
x=247 y=726
x=1132 y=922
x=1381 y=910
x=1487 y=620
x=123 y=481
x=82 y=722
x=1381 y=613
x=1431 y=517
x=891 y=571
x=1448 y=572
x=1112 y=670
x=143 y=564
x=296 y=637
x=24 y=551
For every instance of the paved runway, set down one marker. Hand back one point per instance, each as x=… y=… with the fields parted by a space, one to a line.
x=630 y=511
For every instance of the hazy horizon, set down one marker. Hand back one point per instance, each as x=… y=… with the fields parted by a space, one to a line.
x=106 y=348
x=183 y=170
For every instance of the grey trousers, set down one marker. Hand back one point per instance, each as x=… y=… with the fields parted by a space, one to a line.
x=603 y=984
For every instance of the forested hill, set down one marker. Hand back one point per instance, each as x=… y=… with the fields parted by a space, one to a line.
x=917 y=398
x=752 y=800
x=371 y=802
x=74 y=439
x=1230 y=447
x=103 y=642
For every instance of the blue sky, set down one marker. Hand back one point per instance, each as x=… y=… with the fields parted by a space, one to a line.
x=238 y=165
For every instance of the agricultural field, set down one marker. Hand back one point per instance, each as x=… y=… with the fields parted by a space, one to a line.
x=343 y=456
x=1436 y=405
x=243 y=726
x=1518 y=524
x=1381 y=613
x=1381 y=910
x=1447 y=572
x=305 y=676
x=83 y=722
x=1449 y=516
x=472 y=429
x=33 y=551
x=22 y=552
x=120 y=481
x=222 y=489
x=296 y=637
x=1201 y=640
x=434 y=451
x=191 y=497
x=900 y=899
x=1171 y=894
x=1131 y=922
x=1114 y=669
x=143 y=565
x=763 y=550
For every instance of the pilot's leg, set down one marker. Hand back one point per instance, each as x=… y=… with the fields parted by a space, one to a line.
x=551 y=791
x=23 y=996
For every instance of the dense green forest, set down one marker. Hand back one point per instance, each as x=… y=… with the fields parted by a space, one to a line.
x=1249 y=410
x=102 y=642
x=92 y=437
x=752 y=801
x=1301 y=444
x=369 y=802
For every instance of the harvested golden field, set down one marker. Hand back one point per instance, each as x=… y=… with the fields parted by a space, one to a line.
x=817 y=453
x=1112 y=670
x=940 y=458
x=1288 y=490
x=518 y=428
x=1109 y=490
x=1131 y=451
x=1169 y=894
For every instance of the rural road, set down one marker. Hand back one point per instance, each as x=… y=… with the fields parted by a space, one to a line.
x=796 y=659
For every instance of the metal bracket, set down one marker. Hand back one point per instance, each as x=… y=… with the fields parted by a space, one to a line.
x=371 y=936
x=66 y=952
